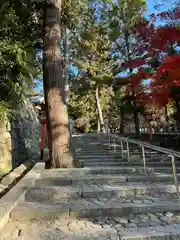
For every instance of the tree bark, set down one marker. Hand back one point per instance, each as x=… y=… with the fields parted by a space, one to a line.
x=98 y=125
x=56 y=109
x=66 y=61
x=100 y=116
x=167 y=118
x=121 y=130
x=177 y=114
x=136 y=119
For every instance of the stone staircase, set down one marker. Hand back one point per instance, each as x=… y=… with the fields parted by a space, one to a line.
x=109 y=198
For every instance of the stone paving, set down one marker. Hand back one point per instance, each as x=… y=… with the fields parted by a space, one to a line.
x=109 y=202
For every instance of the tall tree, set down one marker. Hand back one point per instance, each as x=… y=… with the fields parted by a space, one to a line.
x=123 y=15
x=57 y=116
x=93 y=59
x=162 y=58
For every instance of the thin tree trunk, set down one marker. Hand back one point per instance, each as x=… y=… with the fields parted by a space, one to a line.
x=99 y=110
x=98 y=126
x=167 y=118
x=66 y=60
x=177 y=115
x=121 y=130
x=56 y=109
x=135 y=113
x=136 y=119
x=166 y=114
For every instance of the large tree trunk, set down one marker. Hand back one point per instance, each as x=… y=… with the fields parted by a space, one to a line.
x=99 y=110
x=56 y=110
x=66 y=61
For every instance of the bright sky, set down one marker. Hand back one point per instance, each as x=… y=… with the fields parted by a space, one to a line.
x=161 y=5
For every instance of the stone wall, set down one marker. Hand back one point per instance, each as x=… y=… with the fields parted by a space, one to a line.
x=20 y=138
x=5 y=148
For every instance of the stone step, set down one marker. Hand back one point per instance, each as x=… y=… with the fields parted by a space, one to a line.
x=170 y=232
x=118 y=153
x=98 y=149
x=101 y=160
x=113 y=164
x=103 y=179
x=89 y=145
x=118 y=156
x=89 y=179
x=55 y=193
x=94 y=144
x=155 y=164
x=96 y=157
x=125 y=159
x=158 y=157
x=119 y=164
x=149 y=162
x=155 y=161
x=68 y=177
x=112 y=154
x=98 y=153
x=100 y=146
x=85 y=209
x=107 y=170
x=89 y=148
x=101 y=164
x=96 y=232
x=116 y=163
x=133 y=150
x=116 y=199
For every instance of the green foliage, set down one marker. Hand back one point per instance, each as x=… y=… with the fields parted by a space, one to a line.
x=19 y=64
x=91 y=44
x=73 y=11
x=106 y=95
x=82 y=104
x=124 y=14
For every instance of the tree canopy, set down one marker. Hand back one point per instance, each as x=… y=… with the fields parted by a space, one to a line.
x=112 y=47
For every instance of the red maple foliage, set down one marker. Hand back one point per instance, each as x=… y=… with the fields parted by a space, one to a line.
x=164 y=36
x=167 y=75
x=134 y=63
